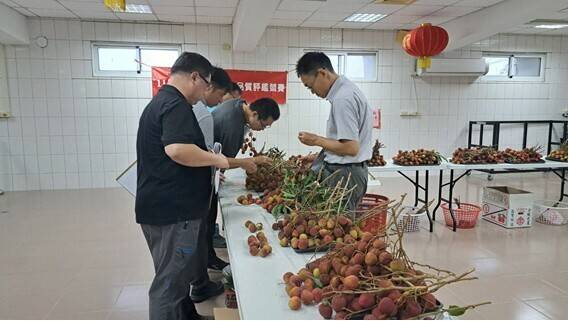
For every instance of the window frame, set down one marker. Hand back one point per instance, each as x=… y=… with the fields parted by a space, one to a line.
x=510 y=55
x=342 y=63
x=126 y=45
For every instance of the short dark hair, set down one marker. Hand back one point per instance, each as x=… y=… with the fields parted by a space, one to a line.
x=189 y=62
x=266 y=107
x=235 y=87
x=220 y=79
x=311 y=62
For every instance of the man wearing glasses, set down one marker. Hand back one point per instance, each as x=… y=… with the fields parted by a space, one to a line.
x=347 y=145
x=219 y=85
x=174 y=187
x=233 y=118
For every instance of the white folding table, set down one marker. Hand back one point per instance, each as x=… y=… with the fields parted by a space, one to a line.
x=559 y=168
x=391 y=167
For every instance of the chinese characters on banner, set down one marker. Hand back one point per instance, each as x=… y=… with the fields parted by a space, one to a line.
x=259 y=84
x=160 y=77
x=255 y=84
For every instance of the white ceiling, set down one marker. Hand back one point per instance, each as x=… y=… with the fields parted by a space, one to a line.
x=290 y=13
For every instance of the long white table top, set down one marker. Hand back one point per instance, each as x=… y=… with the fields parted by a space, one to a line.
x=547 y=164
x=258 y=281
x=390 y=167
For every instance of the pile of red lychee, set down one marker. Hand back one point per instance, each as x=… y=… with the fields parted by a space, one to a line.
x=259 y=245
x=252 y=227
x=362 y=280
x=310 y=231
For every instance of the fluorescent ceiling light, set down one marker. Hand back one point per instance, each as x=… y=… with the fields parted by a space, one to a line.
x=138 y=8
x=550 y=26
x=130 y=8
x=365 y=17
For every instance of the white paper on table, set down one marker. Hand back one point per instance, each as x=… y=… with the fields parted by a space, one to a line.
x=127 y=179
x=217 y=176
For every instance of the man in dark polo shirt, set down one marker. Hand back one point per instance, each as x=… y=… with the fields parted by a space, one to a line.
x=174 y=189
x=231 y=120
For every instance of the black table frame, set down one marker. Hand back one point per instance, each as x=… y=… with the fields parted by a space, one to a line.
x=425 y=188
x=496 y=126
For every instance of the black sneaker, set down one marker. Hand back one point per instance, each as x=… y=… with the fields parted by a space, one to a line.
x=216 y=264
x=219 y=242
x=212 y=289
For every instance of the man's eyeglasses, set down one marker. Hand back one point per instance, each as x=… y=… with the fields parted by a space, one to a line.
x=207 y=82
x=263 y=125
x=315 y=77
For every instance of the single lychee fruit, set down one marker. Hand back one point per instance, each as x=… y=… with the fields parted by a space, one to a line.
x=294 y=303
x=339 y=303
x=317 y=294
x=366 y=300
x=379 y=244
x=351 y=282
x=430 y=302
x=306 y=297
x=295 y=291
x=370 y=259
x=254 y=250
x=397 y=265
x=295 y=280
x=325 y=311
x=287 y=276
x=386 y=306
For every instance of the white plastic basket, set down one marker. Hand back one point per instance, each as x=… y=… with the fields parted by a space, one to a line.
x=410 y=219
x=550 y=212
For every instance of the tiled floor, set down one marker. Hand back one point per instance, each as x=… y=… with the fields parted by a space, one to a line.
x=79 y=255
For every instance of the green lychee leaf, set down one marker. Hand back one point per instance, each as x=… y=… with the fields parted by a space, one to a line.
x=318 y=282
x=455 y=310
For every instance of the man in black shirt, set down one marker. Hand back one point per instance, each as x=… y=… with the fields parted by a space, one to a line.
x=174 y=188
x=234 y=117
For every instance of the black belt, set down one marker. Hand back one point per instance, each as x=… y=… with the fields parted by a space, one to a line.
x=362 y=164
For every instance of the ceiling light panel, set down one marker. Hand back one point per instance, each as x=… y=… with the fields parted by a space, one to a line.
x=365 y=17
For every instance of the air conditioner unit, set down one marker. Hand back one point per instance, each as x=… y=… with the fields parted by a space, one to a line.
x=475 y=67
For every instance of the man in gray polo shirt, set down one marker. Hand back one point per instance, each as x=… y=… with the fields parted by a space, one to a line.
x=219 y=85
x=348 y=142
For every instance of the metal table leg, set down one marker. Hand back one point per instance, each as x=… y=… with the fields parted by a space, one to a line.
x=450 y=190
x=562 y=193
x=440 y=193
x=431 y=223
x=417 y=184
x=563 y=179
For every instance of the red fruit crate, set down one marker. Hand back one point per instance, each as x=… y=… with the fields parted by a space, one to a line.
x=376 y=220
x=466 y=216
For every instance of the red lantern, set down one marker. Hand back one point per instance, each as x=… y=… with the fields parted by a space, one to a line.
x=424 y=42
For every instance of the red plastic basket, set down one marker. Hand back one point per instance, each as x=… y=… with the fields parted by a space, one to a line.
x=376 y=221
x=466 y=216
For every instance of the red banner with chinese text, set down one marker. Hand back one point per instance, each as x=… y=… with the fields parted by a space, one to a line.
x=160 y=77
x=260 y=84
x=255 y=84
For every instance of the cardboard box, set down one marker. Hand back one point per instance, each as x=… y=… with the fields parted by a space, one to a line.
x=506 y=206
x=225 y=314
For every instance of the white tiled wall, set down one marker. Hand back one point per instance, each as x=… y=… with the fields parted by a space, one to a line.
x=73 y=130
